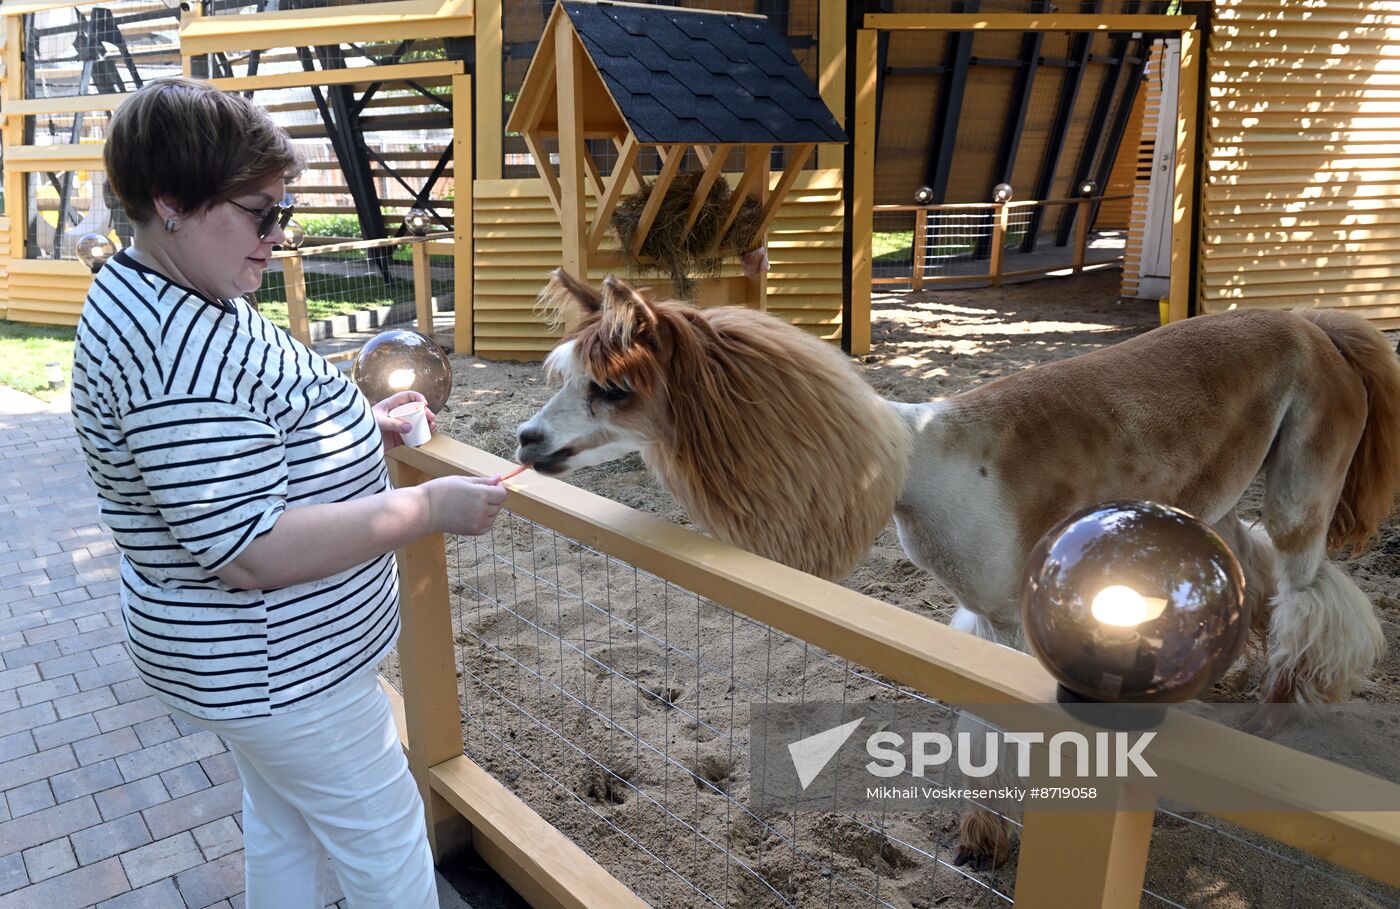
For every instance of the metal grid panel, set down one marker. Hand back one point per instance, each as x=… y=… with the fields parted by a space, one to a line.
x=616 y=704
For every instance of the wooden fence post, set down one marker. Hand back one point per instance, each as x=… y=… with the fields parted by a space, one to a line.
x=428 y=671
x=1081 y=233
x=294 y=281
x=1086 y=859
x=1000 y=219
x=920 y=246
x=423 y=287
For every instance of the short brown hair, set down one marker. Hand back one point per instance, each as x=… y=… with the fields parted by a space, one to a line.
x=193 y=144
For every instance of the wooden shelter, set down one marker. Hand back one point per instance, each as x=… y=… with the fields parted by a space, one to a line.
x=669 y=79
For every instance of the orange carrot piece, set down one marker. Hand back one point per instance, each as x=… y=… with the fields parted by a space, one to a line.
x=502 y=477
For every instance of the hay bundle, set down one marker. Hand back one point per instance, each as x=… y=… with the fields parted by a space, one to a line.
x=679 y=254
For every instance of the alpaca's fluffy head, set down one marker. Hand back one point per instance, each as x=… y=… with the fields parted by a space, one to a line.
x=764 y=433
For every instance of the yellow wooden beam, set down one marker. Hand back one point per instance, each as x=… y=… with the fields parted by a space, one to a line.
x=617 y=181
x=463 y=227
x=393 y=21
x=714 y=166
x=536 y=86
x=541 y=863
x=1086 y=859
x=1022 y=22
x=490 y=124
x=753 y=172
x=54 y=158
x=360 y=75
x=535 y=143
x=671 y=157
x=862 y=192
x=569 y=63
x=72 y=105
x=831 y=72
x=1183 y=210
x=797 y=160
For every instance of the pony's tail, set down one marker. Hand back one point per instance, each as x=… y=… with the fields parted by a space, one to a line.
x=1373 y=479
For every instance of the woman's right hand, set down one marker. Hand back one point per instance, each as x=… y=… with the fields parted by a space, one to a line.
x=463 y=505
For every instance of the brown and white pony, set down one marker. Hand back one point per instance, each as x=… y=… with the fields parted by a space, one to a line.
x=773 y=442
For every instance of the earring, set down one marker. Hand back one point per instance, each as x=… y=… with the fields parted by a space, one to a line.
x=171 y=225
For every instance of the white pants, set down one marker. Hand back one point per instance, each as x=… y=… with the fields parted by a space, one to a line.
x=330 y=778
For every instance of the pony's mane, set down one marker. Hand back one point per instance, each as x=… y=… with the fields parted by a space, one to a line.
x=776 y=443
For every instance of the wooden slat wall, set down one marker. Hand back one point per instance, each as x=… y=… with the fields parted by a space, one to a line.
x=518 y=242
x=1301 y=204
x=46 y=291
x=1145 y=152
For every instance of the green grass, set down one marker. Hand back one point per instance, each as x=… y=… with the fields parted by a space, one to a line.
x=24 y=352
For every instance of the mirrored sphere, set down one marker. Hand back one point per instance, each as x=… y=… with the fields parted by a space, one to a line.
x=923 y=195
x=417 y=221
x=399 y=359
x=1134 y=602
x=295 y=234
x=1088 y=188
x=94 y=250
x=1002 y=192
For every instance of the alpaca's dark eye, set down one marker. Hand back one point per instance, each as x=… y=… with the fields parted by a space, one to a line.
x=610 y=392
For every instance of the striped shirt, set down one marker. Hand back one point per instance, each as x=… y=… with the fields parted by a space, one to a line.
x=201 y=423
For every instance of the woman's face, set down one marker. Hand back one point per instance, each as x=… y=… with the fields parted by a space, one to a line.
x=218 y=250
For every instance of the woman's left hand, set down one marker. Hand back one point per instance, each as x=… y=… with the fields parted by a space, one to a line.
x=392 y=428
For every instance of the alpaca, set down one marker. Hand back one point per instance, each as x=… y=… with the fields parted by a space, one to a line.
x=773 y=442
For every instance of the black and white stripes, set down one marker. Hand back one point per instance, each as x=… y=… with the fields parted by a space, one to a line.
x=201 y=423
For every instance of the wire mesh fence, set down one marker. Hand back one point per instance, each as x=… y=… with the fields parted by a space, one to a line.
x=336 y=281
x=970 y=243
x=616 y=704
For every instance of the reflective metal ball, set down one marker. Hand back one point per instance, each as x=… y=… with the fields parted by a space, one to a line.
x=417 y=221
x=94 y=250
x=399 y=359
x=923 y=195
x=1088 y=188
x=295 y=235
x=1002 y=193
x=1134 y=602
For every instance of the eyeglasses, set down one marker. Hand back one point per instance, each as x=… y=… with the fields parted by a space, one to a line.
x=277 y=215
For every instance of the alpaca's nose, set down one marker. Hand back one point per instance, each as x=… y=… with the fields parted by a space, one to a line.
x=530 y=437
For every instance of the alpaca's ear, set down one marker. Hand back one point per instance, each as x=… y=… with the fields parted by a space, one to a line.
x=562 y=293
x=625 y=312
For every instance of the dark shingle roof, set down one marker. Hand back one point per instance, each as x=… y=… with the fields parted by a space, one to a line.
x=703 y=77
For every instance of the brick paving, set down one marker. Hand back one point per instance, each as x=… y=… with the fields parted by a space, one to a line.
x=105 y=798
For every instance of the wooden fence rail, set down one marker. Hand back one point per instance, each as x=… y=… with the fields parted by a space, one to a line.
x=1067 y=858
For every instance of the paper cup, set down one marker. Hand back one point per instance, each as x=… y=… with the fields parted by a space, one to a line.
x=415 y=412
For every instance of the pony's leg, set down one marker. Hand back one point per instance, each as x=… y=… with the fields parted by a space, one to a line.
x=986 y=836
x=1259 y=561
x=1324 y=638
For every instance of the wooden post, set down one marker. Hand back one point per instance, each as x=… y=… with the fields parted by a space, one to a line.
x=1086 y=859
x=758 y=158
x=862 y=193
x=294 y=281
x=568 y=64
x=1183 y=208
x=1081 y=232
x=463 y=231
x=422 y=287
x=920 y=247
x=428 y=668
x=1000 y=221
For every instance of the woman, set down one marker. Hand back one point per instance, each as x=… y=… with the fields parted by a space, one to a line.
x=243 y=479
